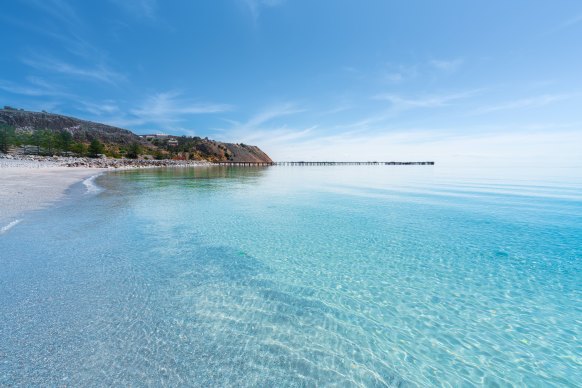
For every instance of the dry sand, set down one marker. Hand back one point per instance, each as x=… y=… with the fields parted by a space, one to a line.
x=30 y=186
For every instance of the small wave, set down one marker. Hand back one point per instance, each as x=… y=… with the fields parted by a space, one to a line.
x=91 y=186
x=6 y=228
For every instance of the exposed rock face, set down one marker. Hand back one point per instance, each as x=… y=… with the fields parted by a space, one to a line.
x=82 y=131
x=247 y=153
x=85 y=131
x=217 y=151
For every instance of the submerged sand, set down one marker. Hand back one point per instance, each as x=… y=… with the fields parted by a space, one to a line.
x=31 y=186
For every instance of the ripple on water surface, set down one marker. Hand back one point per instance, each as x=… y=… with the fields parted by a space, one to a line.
x=296 y=277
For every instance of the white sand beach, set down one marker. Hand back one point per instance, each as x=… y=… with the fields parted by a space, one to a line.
x=26 y=186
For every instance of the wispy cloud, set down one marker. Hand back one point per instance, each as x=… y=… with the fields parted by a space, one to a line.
x=100 y=72
x=141 y=8
x=572 y=21
x=34 y=87
x=399 y=74
x=167 y=109
x=105 y=108
x=270 y=114
x=24 y=90
x=399 y=103
x=526 y=145
x=66 y=27
x=283 y=136
x=58 y=9
x=255 y=6
x=449 y=66
x=565 y=24
x=171 y=103
x=266 y=126
x=524 y=103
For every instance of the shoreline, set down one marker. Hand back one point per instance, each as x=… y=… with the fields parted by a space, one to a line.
x=29 y=188
x=30 y=161
x=36 y=183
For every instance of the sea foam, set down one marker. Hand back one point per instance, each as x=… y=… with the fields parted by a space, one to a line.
x=91 y=186
x=6 y=228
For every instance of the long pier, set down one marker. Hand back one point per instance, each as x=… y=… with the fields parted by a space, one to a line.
x=250 y=164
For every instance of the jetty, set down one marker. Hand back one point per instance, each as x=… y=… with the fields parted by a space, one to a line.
x=248 y=164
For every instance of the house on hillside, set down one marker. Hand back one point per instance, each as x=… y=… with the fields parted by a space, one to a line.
x=159 y=136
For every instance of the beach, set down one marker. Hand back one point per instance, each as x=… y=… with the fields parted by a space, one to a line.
x=34 y=182
x=31 y=185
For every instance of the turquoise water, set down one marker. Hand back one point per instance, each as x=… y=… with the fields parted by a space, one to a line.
x=299 y=276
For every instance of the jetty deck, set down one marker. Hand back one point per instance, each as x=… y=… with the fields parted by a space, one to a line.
x=325 y=163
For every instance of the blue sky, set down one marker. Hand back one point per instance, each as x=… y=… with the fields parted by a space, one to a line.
x=479 y=82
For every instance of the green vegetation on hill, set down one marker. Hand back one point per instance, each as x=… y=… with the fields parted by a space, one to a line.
x=46 y=142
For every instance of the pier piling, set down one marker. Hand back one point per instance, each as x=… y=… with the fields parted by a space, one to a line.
x=302 y=163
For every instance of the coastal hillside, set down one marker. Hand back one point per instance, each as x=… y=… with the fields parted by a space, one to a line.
x=30 y=128
x=81 y=130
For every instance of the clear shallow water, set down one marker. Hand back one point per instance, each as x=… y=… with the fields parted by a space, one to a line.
x=290 y=276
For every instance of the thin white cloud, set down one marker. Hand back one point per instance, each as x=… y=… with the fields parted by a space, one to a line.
x=266 y=127
x=337 y=109
x=272 y=113
x=399 y=103
x=564 y=25
x=524 y=103
x=269 y=137
x=572 y=21
x=449 y=66
x=100 y=72
x=13 y=88
x=58 y=9
x=255 y=6
x=142 y=8
x=164 y=111
x=35 y=87
x=399 y=74
x=64 y=26
x=106 y=108
x=170 y=103
x=167 y=109
x=528 y=146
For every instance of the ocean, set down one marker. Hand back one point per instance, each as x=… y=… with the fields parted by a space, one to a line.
x=298 y=276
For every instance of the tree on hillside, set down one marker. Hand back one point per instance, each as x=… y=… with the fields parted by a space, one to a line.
x=6 y=138
x=64 y=140
x=79 y=148
x=36 y=139
x=96 y=148
x=47 y=141
x=134 y=151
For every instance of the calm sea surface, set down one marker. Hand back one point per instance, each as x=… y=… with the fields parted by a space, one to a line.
x=299 y=276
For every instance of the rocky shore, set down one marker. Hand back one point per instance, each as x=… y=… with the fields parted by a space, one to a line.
x=32 y=161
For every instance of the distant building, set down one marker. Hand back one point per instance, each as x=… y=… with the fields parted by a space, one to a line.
x=172 y=142
x=161 y=136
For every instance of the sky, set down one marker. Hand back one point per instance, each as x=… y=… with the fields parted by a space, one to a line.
x=483 y=82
